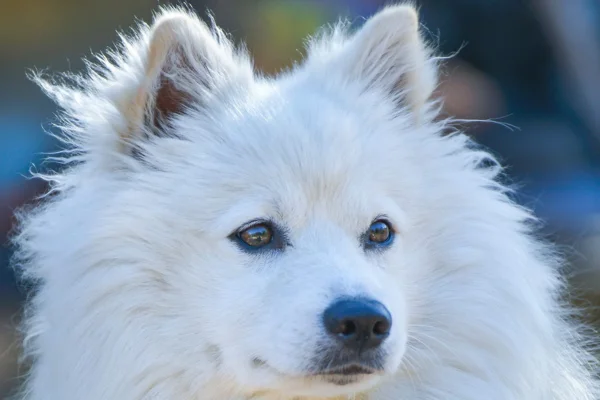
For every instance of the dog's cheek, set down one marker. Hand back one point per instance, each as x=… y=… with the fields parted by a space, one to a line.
x=235 y=306
x=290 y=329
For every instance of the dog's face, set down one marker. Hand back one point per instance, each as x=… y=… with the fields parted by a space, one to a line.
x=268 y=225
x=295 y=269
x=295 y=283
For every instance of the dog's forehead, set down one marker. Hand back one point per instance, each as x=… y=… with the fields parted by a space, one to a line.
x=303 y=132
x=297 y=163
x=300 y=139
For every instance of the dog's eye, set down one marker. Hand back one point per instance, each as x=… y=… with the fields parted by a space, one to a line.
x=259 y=236
x=256 y=235
x=380 y=232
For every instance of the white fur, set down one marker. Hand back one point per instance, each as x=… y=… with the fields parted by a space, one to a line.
x=141 y=295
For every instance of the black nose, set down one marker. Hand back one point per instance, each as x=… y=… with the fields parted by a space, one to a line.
x=358 y=323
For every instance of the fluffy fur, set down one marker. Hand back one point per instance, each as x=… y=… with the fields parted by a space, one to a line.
x=174 y=142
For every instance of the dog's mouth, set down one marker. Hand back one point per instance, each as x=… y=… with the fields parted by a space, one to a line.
x=345 y=374
x=339 y=375
x=348 y=370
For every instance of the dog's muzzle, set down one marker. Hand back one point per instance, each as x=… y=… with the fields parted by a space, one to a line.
x=357 y=327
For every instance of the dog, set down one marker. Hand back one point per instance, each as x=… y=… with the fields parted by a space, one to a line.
x=323 y=234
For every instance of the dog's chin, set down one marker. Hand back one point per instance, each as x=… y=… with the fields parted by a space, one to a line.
x=333 y=385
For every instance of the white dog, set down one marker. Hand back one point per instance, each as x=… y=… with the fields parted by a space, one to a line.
x=218 y=234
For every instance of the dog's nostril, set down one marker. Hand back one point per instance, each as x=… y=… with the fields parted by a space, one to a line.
x=347 y=328
x=381 y=328
x=359 y=324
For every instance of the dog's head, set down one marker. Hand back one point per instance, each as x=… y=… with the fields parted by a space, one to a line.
x=259 y=229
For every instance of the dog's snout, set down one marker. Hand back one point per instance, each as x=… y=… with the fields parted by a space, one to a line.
x=358 y=323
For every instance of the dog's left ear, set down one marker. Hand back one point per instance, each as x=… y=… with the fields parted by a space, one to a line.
x=388 y=54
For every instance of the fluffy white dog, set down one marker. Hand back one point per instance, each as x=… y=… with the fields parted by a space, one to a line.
x=217 y=234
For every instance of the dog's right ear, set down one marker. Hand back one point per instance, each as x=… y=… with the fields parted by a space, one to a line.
x=176 y=64
x=185 y=65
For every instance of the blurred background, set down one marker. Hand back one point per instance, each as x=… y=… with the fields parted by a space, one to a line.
x=534 y=64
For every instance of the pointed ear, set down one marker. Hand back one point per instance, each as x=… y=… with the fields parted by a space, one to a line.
x=185 y=66
x=137 y=91
x=388 y=54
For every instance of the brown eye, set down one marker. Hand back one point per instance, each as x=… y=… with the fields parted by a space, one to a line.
x=380 y=232
x=257 y=235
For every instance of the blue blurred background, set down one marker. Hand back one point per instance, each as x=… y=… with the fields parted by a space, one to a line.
x=534 y=64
